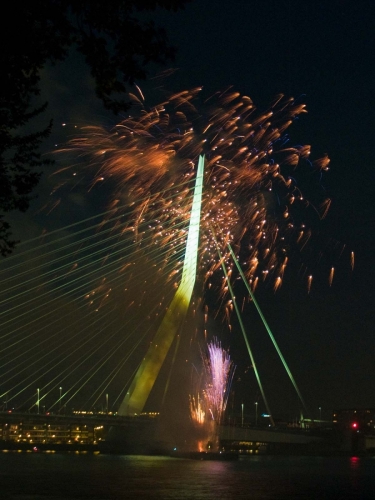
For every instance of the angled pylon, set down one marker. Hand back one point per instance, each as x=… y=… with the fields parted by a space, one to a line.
x=148 y=371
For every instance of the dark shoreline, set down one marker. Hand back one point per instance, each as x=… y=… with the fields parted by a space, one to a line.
x=105 y=448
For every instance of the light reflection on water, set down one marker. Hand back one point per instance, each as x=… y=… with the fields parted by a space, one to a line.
x=107 y=477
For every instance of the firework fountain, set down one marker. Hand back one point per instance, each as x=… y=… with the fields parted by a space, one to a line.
x=208 y=406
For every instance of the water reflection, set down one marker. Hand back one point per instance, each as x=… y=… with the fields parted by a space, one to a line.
x=115 y=477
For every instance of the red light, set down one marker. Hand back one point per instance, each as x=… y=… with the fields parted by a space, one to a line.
x=354 y=425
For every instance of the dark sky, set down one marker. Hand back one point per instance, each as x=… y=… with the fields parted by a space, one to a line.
x=321 y=52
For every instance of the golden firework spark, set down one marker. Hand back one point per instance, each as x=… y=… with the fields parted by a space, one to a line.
x=251 y=196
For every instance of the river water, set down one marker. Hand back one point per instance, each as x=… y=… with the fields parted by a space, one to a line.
x=44 y=476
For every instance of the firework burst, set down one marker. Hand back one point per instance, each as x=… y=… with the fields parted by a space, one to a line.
x=251 y=196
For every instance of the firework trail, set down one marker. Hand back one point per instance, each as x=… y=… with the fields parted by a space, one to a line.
x=197 y=410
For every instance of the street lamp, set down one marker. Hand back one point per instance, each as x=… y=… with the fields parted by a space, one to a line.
x=60 y=400
x=242 y=414
x=256 y=413
x=37 y=401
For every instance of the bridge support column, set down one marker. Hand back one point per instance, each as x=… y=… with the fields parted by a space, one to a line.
x=148 y=371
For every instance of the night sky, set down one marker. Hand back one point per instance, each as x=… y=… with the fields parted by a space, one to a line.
x=321 y=52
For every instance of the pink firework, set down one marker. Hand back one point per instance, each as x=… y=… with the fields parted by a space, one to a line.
x=218 y=376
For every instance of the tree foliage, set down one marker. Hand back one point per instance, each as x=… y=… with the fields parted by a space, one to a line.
x=118 y=47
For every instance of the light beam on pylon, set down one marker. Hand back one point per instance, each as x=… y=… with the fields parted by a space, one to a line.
x=243 y=330
x=148 y=371
x=246 y=283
